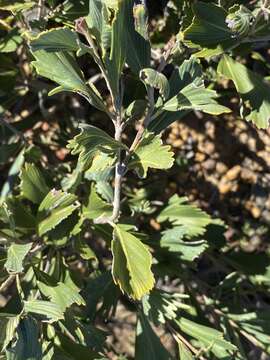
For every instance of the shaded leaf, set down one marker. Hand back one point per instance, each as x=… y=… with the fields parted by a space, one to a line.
x=131 y=264
x=253 y=90
x=191 y=219
x=96 y=207
x=27 y=346
x=33 y=184
x=209 y=30
x=148 y=345
x=187 y=251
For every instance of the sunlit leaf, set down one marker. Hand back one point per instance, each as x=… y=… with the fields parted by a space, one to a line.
x=196 y=98
x=56 y=207
x=90 y=142
x=156 y=80
x=55 y=40
x=208 y=337
x=131 y=264
x=48 y=309
x=151 y=153
x=15 y=257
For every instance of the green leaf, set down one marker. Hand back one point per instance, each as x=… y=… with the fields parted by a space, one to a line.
x=184 y=353
x=15 y=257
x=33 y=184
x=253 y=90
x=148 y=345
x=16 y=6
x=138 y=45
x=27 y=346
x=84 y=250
x=119 y=39
x=209 y=30
x=209 y=338
x=159 y=305
x=10 y=42
x=196 y=98
x=192 y=220
x=55 y=40
x=56 y=207
x=187 y=251
x=132 y=261
x=101 y=292
x=59 y=293
x=96 y=207
x=90 y=142
x=156 y=80
x=151 y=153
x=50 y=310
x=61 y=68
x=9 y=324
x=189 y=72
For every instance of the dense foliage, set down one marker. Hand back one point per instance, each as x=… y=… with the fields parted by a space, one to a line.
x=86 y=227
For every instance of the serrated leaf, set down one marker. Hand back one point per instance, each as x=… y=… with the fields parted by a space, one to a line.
x=159 y=305
x=56 y=207
x=190 y=71
x=172 y=239
x=15 y=257
x=208 y=337
x=209 y=30
x=90 y=142
x=196 y=98
x=33 y=184
x=151 y=153
x=50 y=310
x=58 y=292
x=55 y=40
x=189 y=217
x=156 y=80
x=252 y=88
x=132 y=261
x=148 y=345
x=96 y=206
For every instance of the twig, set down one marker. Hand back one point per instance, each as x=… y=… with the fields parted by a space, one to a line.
x=178 y=337
x=7 y=283
x=150 y=93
